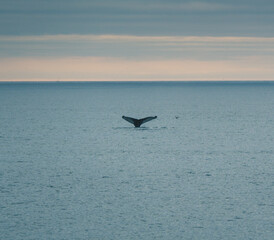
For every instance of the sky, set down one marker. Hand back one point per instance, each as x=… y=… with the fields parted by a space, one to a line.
x=107 y=40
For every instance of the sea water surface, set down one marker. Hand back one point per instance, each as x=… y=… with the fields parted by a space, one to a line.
x=72 y=168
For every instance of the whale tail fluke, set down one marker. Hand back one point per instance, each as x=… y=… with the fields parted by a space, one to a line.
x=138 y=122
x=129 y=119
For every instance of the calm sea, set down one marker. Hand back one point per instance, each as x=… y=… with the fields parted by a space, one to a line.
x=72 y=168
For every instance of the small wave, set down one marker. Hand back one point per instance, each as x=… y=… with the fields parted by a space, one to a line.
x=119 y=128
x=140 y=128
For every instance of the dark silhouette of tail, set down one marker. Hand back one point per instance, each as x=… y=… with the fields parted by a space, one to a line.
x=138 y=122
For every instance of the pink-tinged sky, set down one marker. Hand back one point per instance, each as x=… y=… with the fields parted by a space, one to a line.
x=125 y=40
x=129 y=57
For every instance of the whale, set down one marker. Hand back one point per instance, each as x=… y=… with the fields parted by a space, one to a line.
x=138 y=122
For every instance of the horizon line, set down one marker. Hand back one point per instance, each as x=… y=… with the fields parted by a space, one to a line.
x=127 y=81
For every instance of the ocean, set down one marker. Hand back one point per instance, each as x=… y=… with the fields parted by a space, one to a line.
x=72 y=168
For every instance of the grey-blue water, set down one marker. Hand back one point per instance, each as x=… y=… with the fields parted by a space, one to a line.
x=72 y=168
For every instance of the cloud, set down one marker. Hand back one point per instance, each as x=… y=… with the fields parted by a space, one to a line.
x=131 y=57
x=132 y=46
x=205 y=6
x=135 y=38
x=214 y=17
x=127 y=6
